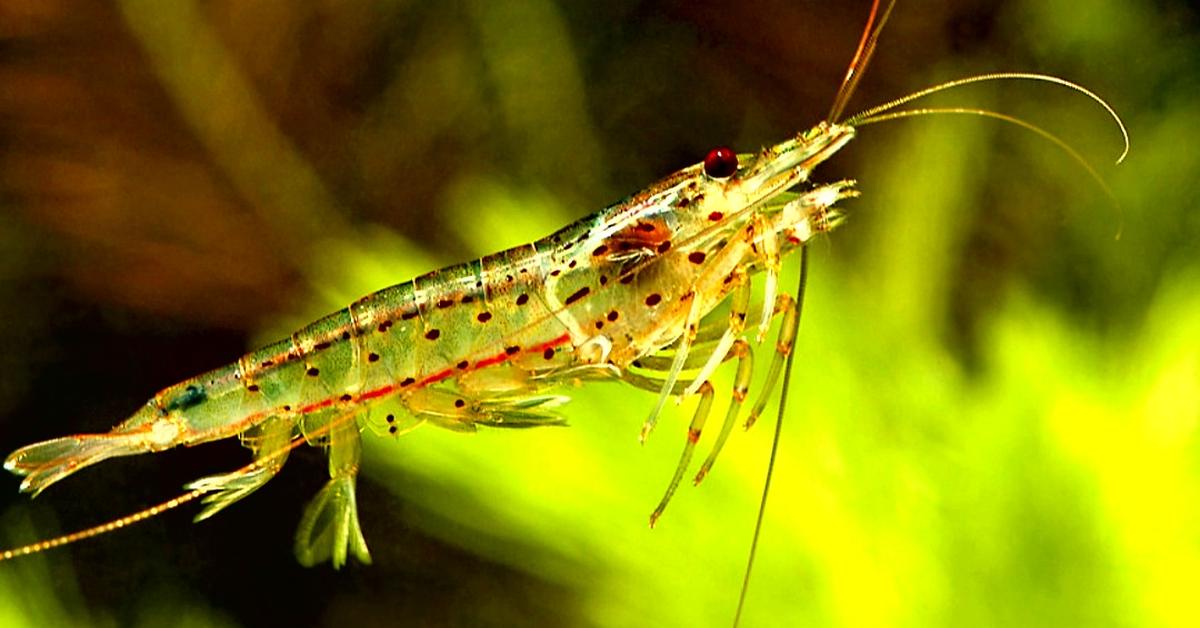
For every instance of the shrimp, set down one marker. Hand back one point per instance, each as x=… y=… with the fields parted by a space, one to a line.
x=624 y=295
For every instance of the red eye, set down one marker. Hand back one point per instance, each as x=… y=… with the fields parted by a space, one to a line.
x=720 y=162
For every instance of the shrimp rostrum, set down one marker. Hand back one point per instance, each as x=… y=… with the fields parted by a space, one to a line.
x=485 y=342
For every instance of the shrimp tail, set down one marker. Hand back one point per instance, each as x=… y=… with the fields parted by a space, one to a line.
x=45 y=463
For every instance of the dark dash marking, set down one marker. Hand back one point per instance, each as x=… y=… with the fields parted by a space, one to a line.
x=252 y=388
x=647 y=227
x=556 y=272
x=313 y=371
x=627 y=279
x=572 y=264
x=347 y=397
x=408 y=316
x=512 y=350
x=484 y=317
x=372 y=357
x=408 y=381
x=192 y=396
x=462 y=366
x=696 y=257
x=468 y=299
x=579 y=294
x=523 y=299
x=654 y=299
x=445 y=303
x=267 y=363
x=321 y=346
x=600 y=250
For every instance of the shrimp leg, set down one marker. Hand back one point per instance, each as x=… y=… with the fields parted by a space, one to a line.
x=329 y=529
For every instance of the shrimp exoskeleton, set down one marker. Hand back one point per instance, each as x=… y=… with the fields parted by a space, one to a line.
x=622 y=295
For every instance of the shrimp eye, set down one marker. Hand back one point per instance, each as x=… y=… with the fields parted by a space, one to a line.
x=720 y=162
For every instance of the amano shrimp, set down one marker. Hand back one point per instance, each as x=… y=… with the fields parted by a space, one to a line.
x=623 y=295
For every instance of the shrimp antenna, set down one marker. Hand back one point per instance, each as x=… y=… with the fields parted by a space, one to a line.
x=783 y=394
x=862 y=56
x=874 y=113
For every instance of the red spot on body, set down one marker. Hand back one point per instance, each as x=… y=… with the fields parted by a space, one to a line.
x=716 y=216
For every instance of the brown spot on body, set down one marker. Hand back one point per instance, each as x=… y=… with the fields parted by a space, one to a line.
x=548 y=354
x=627 y=279
x=409 y=315
x=445 y=303
x=579 y=294
x=664 y=247
x=603 y=279
x=408 y=381
x=321 y=346
x=523 y=299
x=384 y=326
x=313 y=371
x=346 y=335
x=433 y=334
x=458 y=403
x=696 y=257
x=484 y=317
x=391 y=418
x=600 y=250
x=372 y=357
x=599 y=324
x=613 y=316
x=468 y=299
x=512 y=350
x=252 y=388
x=347 y=397
x=267 y=363
x=393 y=429
x=654 y=299
x=462 y=366
x=556 y=272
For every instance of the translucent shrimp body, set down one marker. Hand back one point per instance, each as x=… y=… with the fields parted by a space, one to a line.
x=486 y=342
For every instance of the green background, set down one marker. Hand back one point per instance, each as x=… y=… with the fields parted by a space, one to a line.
x=993 y=419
